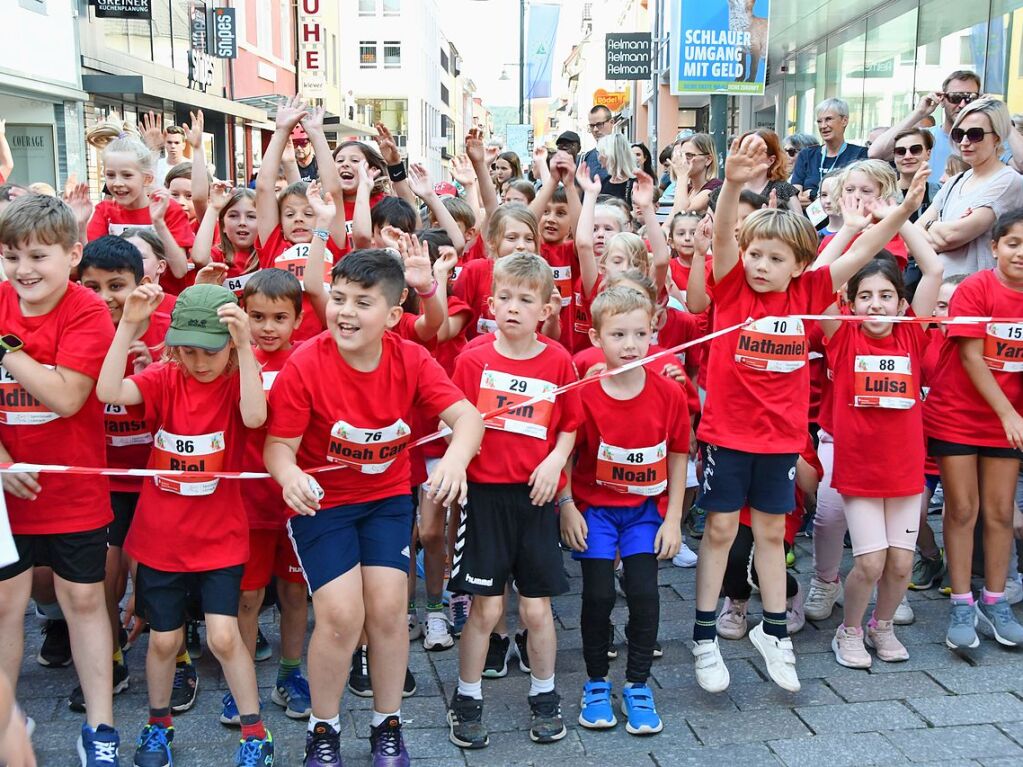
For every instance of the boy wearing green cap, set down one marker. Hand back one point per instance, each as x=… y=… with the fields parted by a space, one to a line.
x=192 y=533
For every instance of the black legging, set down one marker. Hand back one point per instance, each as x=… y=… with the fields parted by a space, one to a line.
x=736 y=583
x=644 y=614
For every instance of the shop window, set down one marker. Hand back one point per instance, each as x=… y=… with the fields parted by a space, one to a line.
x=846 y=60
x=264 y=26
x=392 y=54
x=965 y=51
x=958 y=31
x=367 y=54
x=392 y=7
x=367 y=7
x=889 y=65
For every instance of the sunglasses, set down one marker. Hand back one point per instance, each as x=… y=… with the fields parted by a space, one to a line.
x=961 y=97
x=791 y=151
x=300 y=142
x=916 y=150
x=975 y=135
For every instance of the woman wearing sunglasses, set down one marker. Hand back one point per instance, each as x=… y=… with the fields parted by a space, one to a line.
x=959 y=222
x=913 y=149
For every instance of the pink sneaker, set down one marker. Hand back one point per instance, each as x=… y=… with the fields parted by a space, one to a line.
x=848 y=648
x=881 y=636
x=732 y=619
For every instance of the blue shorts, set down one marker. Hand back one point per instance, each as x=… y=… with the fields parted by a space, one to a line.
x=334 y=540
x=626 y=530
x=931 y=482
x=733 y=478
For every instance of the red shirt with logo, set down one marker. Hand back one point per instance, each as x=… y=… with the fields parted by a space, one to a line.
x=109 y=217
x=956 y=412
x=75 y=335
x=474 y=286
x=878 y=421
x=564 y=262
x=358 y=421
x=622 y=446
x=758 y=380
x=515 y=443
x=929 y=370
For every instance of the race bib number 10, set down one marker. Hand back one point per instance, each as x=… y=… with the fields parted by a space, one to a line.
x=774 y=344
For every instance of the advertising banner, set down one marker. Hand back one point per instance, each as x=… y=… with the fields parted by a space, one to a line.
x=543 y=30
x=720 y=46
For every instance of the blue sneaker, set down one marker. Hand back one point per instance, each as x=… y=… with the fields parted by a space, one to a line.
x=597 y=712
x=255 y=752
x=293 y=694
x=153 y=748
x=638 y=707
x=230 y=715
x=695 y=522
x=99 y=746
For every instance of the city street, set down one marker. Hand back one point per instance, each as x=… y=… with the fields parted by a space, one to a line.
x=936 y=709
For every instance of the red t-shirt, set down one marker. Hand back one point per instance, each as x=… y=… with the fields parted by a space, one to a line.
x=594 y=355
x=264 y=504
x=794 y=519
x=622 y=446
x=354 y=419
x=565 y=264
x=517 y=442
x=896 y=246
x=475 y=250
x=474 y=286
x=581 y=320
x=758 y=380
x=818 y=374
x=929 y=370
x=110 y=218
x=167 y=304
x=191 y=526
x=129 y=438
x=239 y=265
x=75 y=335
x=879 y=429
x=956 y=412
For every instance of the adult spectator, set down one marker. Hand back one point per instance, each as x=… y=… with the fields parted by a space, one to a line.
x=644 y=159
x=615 y=156
x=1017 y=122
x=773 y=178
x=959 y=222
x=814 y=163
x=875 y=134
x=6 y=157
x=695 y=167
x=569 y=142
x=912 y=150
x=601 y=124
x=959 y=89
x=304 y=156
x=166 y=144
x=664 y=161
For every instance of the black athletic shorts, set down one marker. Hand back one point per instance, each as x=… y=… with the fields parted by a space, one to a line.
x=161 y=597
x=75 y=557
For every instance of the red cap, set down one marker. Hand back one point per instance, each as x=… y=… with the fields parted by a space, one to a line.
x=445 y=189
x=298 y=133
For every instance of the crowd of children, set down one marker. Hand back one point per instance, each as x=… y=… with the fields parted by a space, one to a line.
x=453 y=379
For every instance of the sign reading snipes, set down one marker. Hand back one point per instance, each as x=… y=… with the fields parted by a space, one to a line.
x=720 y=46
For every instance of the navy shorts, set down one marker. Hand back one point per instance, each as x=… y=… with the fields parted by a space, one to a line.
x=334 y=540
x=163 y=596
x=627 y=530
x=931 y=482
x=733 y=478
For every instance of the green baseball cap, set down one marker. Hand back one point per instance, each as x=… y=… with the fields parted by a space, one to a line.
x=194 y=320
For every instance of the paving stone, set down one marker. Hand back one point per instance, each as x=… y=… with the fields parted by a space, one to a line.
x=968 y=709
x=945 y=743
x=746 y=726
x=967 y=679
x=835 y=750
x=858 y=717
x=734 y=754
x=866 y=687
x=761 y=695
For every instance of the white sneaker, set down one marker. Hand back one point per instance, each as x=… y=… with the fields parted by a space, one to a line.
x=778 y=657
x=711 y=672
x=415 y=626
x=903 y=613
x=438 y=636
x=686 y=557
x=821 y=598
x=794 y=615
x=1013 y=590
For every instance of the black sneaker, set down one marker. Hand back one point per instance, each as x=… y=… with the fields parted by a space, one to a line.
x=409 y=689
x=358 y=678
x=322 y=746
x=547 y=725
x=497 y=657
x=522 y=650
x=122 y=639
x=612 y=649
x=56 y=649
x=186 y=687
x=658 y=651
x=263 y=649
x=76 y=702
x=193 y=643
x=465 y=720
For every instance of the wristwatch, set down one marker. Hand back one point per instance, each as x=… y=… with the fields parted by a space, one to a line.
x=10 y=343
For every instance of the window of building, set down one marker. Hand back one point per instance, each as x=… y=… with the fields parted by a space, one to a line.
x=445 y=95
x=392 y=7
x=240 y=8
x=367 y=7
x=392 y=54
x=443 y=60
x=332 y=58
x=264 y=26
x=286 y=35
x=367 y=54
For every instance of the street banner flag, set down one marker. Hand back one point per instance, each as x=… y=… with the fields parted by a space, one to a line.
x=719 y=46
x=543 y=30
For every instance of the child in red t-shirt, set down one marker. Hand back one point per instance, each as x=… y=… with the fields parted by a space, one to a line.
x=633 y=447
x=975 y=430
x=351 y=532
x=111 y=267
x=55 y=334
x=232 y=212
x=209 y=365
x=755 y=417
x=155 y=262
x=509 y=526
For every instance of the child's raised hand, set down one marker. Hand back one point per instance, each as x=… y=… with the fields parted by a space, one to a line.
x=214 y=273
x=564 y=162
x=747 y=159
x=390 y=237
x=704 y=235
x=220 y=193
x=388 y=146
x=159 y=201
x=193 y=131
x=540 y=153
x=461 y=170
x=491 y=153
x=445 y=265
x=643 y=190
x=855 y=213
x=313 y=120
x=151 y=130
x=416 y=257
x=474 y=146
x=79 y=201
x=237 y=322
x=419 y=180
x=323 y=208
x=290 y=113
x=366 y=181
x=589 y=185
x=141 y=303
x=668 y=540
x=288 y=155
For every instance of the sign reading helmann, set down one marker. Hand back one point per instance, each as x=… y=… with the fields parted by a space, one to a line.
x=627 y=56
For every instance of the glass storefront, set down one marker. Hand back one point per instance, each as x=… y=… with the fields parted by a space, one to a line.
x=886 y=60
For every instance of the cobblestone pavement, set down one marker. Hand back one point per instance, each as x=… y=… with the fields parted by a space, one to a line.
x=937 y=708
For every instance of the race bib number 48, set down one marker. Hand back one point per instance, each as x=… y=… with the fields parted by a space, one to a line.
x=498 y=390
x=637 y=470
x=775 y=344
x=883 y=381
x=1003 y=346
x=370 y=451
x=199 y=453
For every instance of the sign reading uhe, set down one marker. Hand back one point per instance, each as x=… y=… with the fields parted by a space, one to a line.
x=627 y=56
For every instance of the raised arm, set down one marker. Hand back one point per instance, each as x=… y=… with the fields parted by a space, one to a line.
x=584 y=231
x=312 y=277
x=177 y=261
x=362 y=219
x=200 y=173
x=252 y=403
x=697 y=299
x=220 y=193
x=660 y=254
x=855 y=219
x=882 y=147
x=421 y=184
x=267 y=213
x=433 y=296
x=474 y=148
x=111 y=386
x=745 y=161
x=391 y=155
x=540 y=169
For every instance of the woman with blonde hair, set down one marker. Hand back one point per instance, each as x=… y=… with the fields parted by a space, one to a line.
x=694 y=163
x=616 y=157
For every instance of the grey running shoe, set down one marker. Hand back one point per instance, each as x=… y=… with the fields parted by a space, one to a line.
x=962 y=631
x=927 y=572
x=999 y=620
